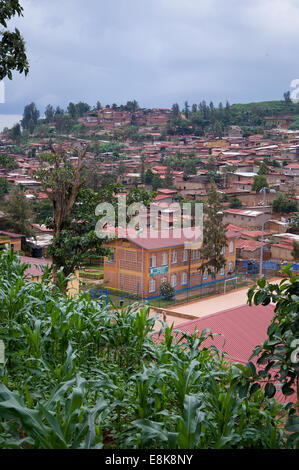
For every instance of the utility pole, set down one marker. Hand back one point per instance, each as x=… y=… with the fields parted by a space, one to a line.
x=189 y=270
x=263 y=225
x=263 y=190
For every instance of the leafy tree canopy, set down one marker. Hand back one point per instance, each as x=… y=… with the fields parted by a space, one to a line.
x=12 y=45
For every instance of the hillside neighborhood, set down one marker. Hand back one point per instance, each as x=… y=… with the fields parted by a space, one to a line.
x=156 y=150
x=149 y=229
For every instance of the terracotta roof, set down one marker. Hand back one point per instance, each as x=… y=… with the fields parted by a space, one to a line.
x=11 y=234
x=281 y=245
x=242 y=328
x=34 y=269
x=164 y=238
x=245 y=212
x=247 y=233
x=249 y=245
x=294 y=166
x=161 y=197
x=167 y=191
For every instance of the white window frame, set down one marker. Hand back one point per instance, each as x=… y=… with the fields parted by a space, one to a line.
x=185 y=256
x=174 y=256
x=222 y=271
x=231 y=247
x=230 y=266
x=173 y=277
x=206 y=274
x=152 y=285
x=184 y=278
x=153 y=261
x=165 y=258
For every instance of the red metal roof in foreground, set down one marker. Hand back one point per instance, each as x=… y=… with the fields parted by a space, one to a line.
x=242 y=328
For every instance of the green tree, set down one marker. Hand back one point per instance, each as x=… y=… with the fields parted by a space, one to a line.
x=12 y=45
x=73 y=219
x=71 y=109
x=259 y=182
x=264 y=169
x=132 y=106
x=8 y=163
x=42 y=211
x=287 y=97
x=294 y=225
x=107 y=179
x=295 y=251
x=175 y=110
x=166 y=290
x=142 y=171
x=122 y=168
x=284 y=204
x=49 y=114
x=157 y=182
x=92 y=178
x=18 y=213
x=235 y=203
x=149 y=176
x=63 y=123
x=168 y=178
x=30 y=117
x=279 y=349
x=214 y=234
x=4 y=187
x=16 y=133
x=189 y=168
x=81 y=108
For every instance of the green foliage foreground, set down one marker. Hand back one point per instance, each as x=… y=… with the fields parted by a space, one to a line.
x=81 y=375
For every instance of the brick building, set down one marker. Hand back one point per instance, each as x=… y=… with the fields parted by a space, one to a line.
x=142 y=264
x=248 y=218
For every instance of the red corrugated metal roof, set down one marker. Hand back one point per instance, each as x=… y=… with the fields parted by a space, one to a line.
x=242 y=328
x=34 y=269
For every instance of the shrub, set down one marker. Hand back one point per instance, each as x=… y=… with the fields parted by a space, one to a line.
x=166 y=290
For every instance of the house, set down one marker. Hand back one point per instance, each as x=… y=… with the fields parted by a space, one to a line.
x=35 y=271
x=141 y=264
x=292 y=169
x=13 y=240
x=245 y=218
x=283 y=246
x=248 y=234
x=235 y=132
x=281 y=121
x=248 y=249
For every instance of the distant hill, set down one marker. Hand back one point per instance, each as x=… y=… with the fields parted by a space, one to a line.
x=274 y=107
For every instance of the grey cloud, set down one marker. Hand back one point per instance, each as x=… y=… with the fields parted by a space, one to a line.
x=158 y=51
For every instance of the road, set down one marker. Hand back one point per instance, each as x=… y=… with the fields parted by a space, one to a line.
x=217 y=303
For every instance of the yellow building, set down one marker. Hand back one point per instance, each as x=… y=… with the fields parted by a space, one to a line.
x=13 y=240
x=140 y=265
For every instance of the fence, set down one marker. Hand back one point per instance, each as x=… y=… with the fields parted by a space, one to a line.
x=251 y=267
x=192 y=291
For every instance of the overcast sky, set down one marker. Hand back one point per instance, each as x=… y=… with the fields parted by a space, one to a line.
x=155 y=51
